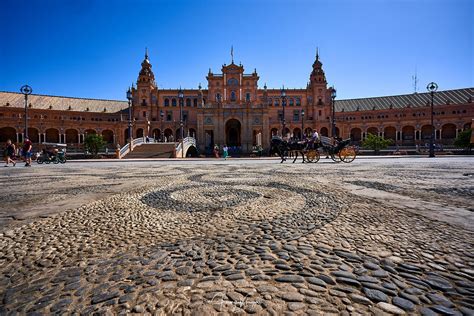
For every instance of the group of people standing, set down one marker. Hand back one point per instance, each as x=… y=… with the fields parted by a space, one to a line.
x=225 y=151
x=10 y=152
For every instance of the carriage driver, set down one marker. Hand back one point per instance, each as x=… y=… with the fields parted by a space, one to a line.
x=314 y=139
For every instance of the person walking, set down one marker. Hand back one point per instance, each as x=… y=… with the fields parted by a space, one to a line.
x=27 y=151
x=9 y=153
x=225 y=151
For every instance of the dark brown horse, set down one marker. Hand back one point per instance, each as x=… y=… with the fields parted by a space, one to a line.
x=283 y=148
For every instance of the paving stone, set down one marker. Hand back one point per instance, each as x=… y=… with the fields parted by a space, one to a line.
x=292 y=297
x=438 y=283
x=290 y=279
x=375 y=295
x=103 y=297
x=293 y=306
x=403 y=303
x=316 y=281
x=327 y=279
x=443 y=310
x=389 y=308
x=348 y=281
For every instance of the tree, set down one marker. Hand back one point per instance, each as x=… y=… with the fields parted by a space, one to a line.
x=464 y=140
x=376 y=143
x=94 y=143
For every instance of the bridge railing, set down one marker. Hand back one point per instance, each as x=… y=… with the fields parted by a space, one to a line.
x=135 y=142
x=187 y=142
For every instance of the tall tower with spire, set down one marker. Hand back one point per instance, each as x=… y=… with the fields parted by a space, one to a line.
x=146 y=82
x=145 y=96
x=317 y=82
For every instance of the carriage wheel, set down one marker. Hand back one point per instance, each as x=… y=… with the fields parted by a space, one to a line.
x=310 y=155
x=348 y=154
x=313 y=156
x=335 y=157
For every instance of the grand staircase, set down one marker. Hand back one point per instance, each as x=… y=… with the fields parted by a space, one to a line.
x=153 y=150
x=142 y=149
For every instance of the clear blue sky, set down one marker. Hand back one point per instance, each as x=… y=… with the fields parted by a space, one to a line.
x=87 y=48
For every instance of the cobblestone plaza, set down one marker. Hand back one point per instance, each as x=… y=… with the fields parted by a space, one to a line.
x=388 y=235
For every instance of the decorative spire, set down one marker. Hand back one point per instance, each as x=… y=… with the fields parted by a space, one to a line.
x=317 y=75
x=232 y=53
x=199 y=86
x=146 y=74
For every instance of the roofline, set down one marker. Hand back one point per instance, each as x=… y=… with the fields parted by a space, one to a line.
x=399 y=95
x=60 y=96
x=272 y=89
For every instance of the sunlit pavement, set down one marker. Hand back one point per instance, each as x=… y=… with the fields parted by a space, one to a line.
x=206 y=236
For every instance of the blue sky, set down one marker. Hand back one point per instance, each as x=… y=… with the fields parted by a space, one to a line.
x=88 y=48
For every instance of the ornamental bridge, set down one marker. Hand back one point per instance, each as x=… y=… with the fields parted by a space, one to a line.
x=140 y=148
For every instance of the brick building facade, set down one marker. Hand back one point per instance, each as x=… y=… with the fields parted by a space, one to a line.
x=233 y=110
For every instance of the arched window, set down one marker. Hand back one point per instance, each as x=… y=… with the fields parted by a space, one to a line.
x=218 y=97
x=173 y=102
x=232 y=96
x=167 y=102
x=298 y=101
x=195 y=102
x=247 y=97
x=232 y=82
x=292 y=102
x=277 y=102
x=188 y=102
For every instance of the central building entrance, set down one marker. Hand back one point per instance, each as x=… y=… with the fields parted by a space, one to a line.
x=232 y=133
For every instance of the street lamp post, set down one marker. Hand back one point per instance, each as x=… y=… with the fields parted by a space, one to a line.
x=333 y=120
x=181 y=103
x=26 y=90
x=129 y=97
x=283 y=104
x=162 y=114
x=432 y=87
x=302 y=123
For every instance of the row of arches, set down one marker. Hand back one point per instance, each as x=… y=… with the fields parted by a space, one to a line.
x=53 y=135
x=407 y=134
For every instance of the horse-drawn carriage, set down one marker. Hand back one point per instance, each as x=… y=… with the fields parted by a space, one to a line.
x=310 y=150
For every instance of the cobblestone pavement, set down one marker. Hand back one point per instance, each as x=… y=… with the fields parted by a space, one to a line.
x=239 y=237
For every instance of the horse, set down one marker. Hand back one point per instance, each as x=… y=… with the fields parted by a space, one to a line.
x=281 y=147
